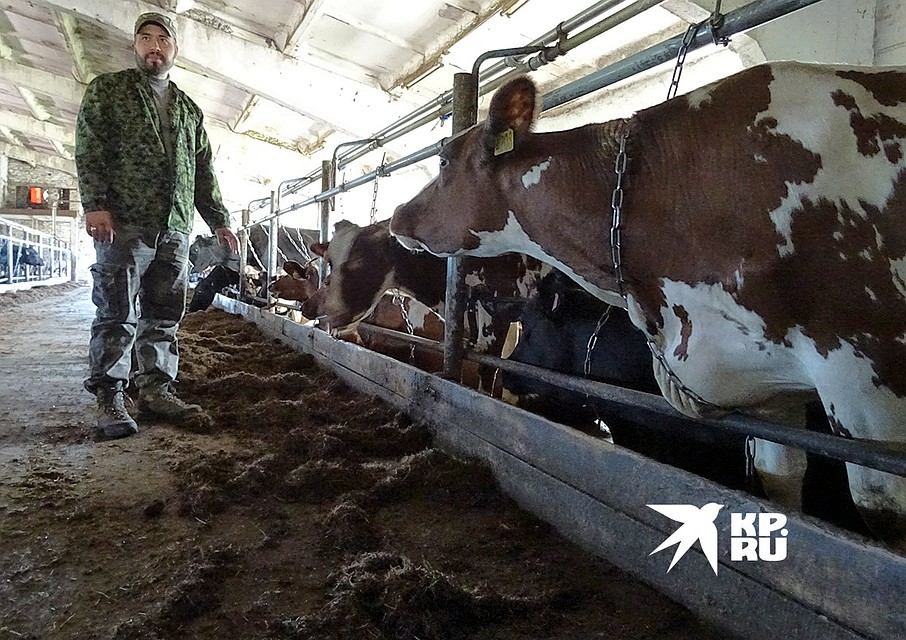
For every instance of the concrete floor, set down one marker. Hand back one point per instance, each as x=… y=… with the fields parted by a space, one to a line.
x=44 y=347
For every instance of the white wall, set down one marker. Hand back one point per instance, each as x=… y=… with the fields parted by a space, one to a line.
x=840 y=31
x=890 y=32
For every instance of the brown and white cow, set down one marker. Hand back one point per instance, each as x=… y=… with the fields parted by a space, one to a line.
x=299 y=283
x=367 y=261
x=763 y=241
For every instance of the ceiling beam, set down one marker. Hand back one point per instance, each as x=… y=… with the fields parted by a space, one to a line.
x=62 y=150
x=35 y=158
x=337 y=14
x=40 y=128
x=292 y=83
x=39 y=81
x=84 y=72
x=304 y=17
x=37 y=110
x=71 y=91
x=434 y=56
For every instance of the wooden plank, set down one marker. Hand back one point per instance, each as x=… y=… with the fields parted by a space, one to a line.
x=830 y=585
x=733 y=601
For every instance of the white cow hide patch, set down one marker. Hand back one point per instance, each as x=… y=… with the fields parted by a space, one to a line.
x=533 y=175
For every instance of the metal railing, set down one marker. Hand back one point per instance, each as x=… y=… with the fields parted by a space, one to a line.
x=28 y=255
x=876 y=455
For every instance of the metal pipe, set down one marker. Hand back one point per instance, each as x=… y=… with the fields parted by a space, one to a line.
x=465 y=113
x=373 y=143
x=439 y=107
x=554 y=35
x=631 y=404
x=272 y=245
x=569 y=43
x=243 y=251
x=399 y=336
x=389 y=168
x=751 y=15
x=627 y=403
x=326 y=183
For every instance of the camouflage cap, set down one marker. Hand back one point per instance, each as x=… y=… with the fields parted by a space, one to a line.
x=164 y=22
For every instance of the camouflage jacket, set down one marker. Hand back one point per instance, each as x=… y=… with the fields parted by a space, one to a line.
x=123 y=166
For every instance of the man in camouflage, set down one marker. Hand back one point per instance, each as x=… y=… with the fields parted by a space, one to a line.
x=144 y=165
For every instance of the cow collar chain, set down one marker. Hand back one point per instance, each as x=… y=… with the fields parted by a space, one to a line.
x=616 y=252
x=616 y=227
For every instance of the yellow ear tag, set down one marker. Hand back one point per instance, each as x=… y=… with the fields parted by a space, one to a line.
x=504 y=142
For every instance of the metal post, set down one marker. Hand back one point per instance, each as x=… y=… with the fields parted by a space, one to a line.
x=465 y=110
x=243 y=250
x=328 y=178
x=272 y=244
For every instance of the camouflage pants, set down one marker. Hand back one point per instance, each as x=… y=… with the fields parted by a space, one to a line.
x=139 y=291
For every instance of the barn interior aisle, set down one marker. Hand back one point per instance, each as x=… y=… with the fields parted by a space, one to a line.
x=307 y=511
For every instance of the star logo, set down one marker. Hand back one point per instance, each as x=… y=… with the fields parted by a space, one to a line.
x=698 y=525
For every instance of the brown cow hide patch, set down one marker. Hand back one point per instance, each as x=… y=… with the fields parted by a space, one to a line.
x=873 y=132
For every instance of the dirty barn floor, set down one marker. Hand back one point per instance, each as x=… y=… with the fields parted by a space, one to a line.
x=306 y=511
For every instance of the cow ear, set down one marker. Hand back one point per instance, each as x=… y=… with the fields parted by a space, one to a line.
x=319 y=248
x=292 y=268
x=511 y=115
x=343 y=224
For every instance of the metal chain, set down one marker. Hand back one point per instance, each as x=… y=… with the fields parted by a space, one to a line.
x=380 y=171
x=750 y=459
x=400 y=301
x=691 y=32
x=713 y=22
x=616 y=203
x=593 y=340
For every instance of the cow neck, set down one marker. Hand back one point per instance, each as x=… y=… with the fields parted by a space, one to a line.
x=622 y=134
x=421 y=274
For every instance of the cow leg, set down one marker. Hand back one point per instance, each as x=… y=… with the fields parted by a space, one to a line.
x=857 y=406
x=881 y=500
x=781 y=470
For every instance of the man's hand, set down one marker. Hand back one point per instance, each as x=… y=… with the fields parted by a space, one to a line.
x=99 y=225
x=227 y=238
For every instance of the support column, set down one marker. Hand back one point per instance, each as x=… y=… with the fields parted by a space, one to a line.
x=465 y=108
x=328 y=178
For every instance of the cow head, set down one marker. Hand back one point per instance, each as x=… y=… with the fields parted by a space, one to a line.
x=206 y=252
x=466 y=209
x=359 y=271
x=299 y=283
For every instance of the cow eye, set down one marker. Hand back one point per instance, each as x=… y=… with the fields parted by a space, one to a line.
x=444 y=162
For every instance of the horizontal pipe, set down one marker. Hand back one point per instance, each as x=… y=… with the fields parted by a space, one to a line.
x=441 y=106
x=628 y=403
x=751 y=15
x=877 y=455
x=389 y=168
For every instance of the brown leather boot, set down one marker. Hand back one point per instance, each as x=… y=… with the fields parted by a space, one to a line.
x=160 y=400
x=114 y=420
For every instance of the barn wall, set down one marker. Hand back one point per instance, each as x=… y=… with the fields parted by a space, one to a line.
x=17 y=173
x=840 y=31
x=890 y=32
x=21 y=173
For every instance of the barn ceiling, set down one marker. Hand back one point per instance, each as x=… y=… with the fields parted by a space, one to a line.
x=283 y=82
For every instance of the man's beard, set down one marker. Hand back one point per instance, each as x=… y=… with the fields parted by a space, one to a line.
x=157 y=67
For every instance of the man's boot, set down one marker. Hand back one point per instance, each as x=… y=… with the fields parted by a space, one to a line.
x=114 y=421
x=160 y=400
